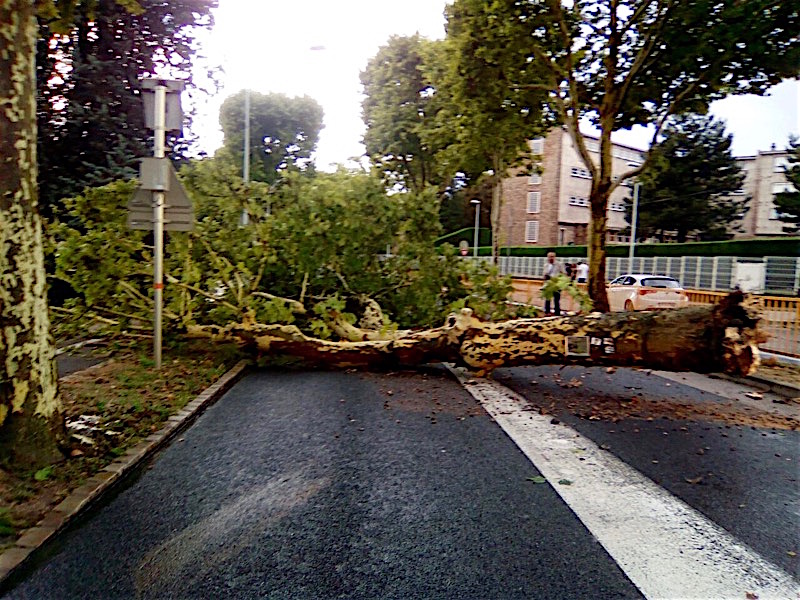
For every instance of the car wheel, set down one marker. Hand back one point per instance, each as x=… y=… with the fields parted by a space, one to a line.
x=629 y=306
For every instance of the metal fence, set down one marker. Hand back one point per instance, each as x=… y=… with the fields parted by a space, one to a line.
x=781 y=273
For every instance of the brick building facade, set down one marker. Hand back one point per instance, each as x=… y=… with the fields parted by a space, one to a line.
x=552 y=209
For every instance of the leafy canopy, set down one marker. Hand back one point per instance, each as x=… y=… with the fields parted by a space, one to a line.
x=625 y=62
x=319 y=250
x=690 y=182
x=89 y=111
x=283 y=132
x=399 y=108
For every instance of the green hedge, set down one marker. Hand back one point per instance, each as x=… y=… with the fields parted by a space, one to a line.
x=746 y=248
x=467 y=234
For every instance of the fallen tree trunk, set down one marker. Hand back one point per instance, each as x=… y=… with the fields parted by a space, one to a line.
x=715 y=338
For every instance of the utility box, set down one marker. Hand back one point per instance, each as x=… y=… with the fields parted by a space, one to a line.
x=750 y=276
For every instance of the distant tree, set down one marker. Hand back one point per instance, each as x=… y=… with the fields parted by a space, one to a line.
x=399 y=107
x=89 y=111
x=787 y=203
x=494 y=108
x=688 y=184
x=283 y=132
x=620 y=63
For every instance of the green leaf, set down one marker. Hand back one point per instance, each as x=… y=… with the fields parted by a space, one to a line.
x=537 y=479
x=564 y=482
x=43 y=474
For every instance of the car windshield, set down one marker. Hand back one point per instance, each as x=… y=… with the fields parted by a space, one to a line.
x=660 y=282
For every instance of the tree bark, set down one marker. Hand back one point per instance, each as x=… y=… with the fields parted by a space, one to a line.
x=598 y=201
x=30 y=412
x=703 y=339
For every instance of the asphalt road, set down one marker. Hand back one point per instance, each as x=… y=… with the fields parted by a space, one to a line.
x=334 y=485
x=743 y=477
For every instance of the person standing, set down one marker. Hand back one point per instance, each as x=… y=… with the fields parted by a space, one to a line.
x=551 y=269
x=583 y=272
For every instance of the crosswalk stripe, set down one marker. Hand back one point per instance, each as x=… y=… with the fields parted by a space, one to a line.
x=664 y=546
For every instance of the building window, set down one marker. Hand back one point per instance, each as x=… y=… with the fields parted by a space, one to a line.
x=537 y=145
x=775 y=215
x=534 y=202
x=780 y=164
x=575 y=201
x=535 y=179
x=581 y=172
x=739 y=192
x=617 y=207
x=632 y=156
x=532 y=231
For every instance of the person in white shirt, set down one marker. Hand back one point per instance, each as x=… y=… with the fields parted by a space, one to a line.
x=551 y=269
x=583 y=272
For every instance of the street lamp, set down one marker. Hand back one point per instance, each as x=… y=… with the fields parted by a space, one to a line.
x=477 y=204
x=246 y=154
x=634 y=217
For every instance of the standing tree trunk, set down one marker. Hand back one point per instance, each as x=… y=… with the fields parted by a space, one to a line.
x=598 y=200
x=30 y=413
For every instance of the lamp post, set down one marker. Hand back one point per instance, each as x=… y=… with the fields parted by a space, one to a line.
x=477 y=204
x=634 y=217
x=246 y=153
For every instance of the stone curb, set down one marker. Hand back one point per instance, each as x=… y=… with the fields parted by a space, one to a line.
x=84 y=496
x=765 y=384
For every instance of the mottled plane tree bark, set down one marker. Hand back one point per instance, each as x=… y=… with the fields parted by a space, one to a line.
x=704 y=339
x=30 y=415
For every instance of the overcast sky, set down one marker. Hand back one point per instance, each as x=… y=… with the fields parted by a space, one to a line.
x=319 y=47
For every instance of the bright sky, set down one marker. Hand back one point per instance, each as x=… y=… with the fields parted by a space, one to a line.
x=319 y=47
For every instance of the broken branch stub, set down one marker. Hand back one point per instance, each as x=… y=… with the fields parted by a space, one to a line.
x=722 y=337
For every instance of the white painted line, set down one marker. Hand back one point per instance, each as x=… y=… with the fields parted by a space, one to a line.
x=664 y=546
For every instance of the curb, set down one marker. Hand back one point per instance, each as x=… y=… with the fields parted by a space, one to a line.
x=787 y=390
x=81 y=498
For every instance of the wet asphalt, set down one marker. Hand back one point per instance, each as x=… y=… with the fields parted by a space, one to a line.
x=333 y=485
x=744 y=478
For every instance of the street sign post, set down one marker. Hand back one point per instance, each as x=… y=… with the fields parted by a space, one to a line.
x=160 y=202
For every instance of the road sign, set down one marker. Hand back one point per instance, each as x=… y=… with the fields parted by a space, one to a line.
x=158 y=175
x=173 y=113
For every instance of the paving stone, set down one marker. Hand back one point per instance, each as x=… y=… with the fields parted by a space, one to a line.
x=55 y=519
x=35 y=536
x=12 y=558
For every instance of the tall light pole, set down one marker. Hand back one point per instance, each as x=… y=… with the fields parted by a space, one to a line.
x=246 y=157
x=477 y=204
x=634 y=218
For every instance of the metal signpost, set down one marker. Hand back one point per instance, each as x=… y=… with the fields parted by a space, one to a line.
x=160 y=202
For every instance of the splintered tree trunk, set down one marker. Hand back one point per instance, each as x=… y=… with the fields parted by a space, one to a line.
x=703 y=339
x=30 y=416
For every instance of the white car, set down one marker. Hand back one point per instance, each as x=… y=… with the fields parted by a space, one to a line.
x=646 y=292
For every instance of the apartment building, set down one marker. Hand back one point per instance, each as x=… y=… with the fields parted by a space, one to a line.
x=764 y=178
x=553 y=208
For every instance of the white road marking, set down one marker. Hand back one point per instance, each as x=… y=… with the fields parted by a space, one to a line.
x=664 y=546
